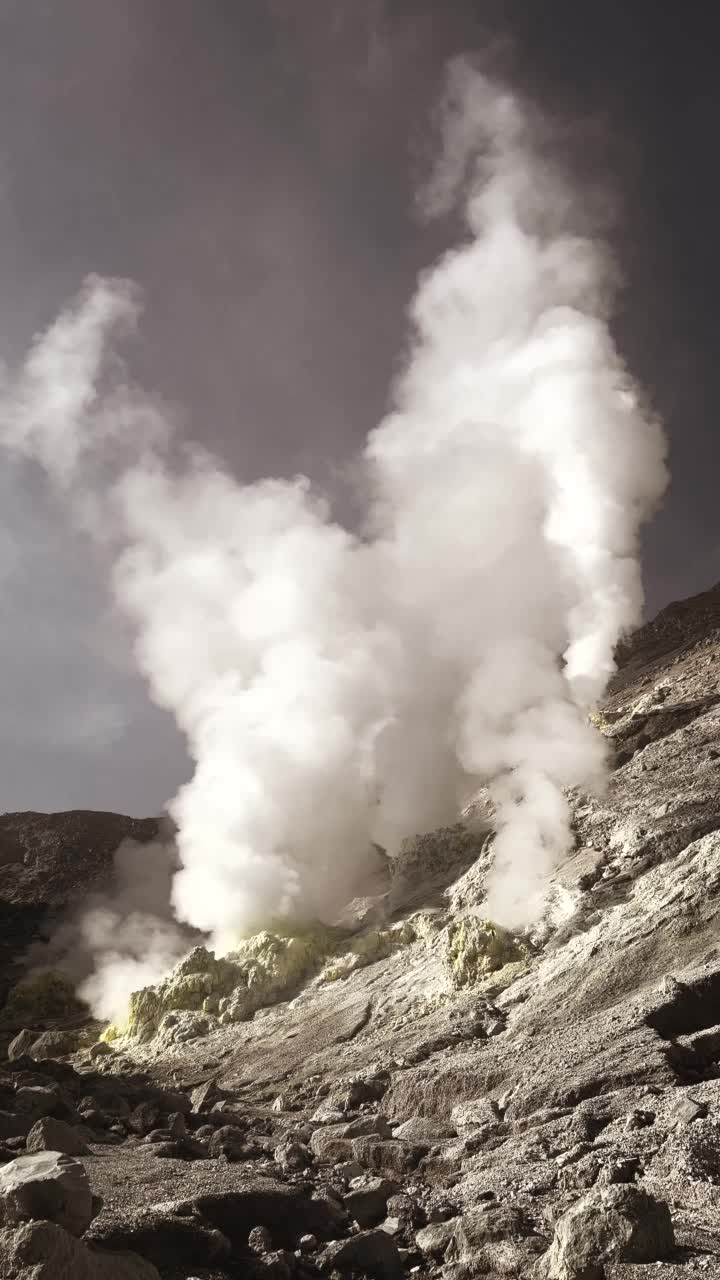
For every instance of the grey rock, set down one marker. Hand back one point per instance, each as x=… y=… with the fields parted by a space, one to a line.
x=613 y=1224
x=100 y=1050
x=686 y=1110
x=639 y=1119
x=254 y=1201
x=373 y=1253
x=435 y=1238
x=145 y=1117
x=21 y=1044
x=291 y=1156
x=367 y=1204
x=424 y=1129
x=260 y=1240
x=228 y=1141
x=177 y=1126
x=55 y=1135
x=367 y=1126
x=205 y=1095
x=44 y=1251
x=46 y=1185
x=166 y=1238
x=476 y=1114
x=55 y=1044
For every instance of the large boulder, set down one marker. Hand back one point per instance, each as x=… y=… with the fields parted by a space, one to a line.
x=55 y=1135
x=44 y=1251
x=46 y=1185
x=494 y=1238
x=610 y=1224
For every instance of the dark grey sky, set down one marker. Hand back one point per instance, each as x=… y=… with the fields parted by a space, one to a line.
x=252 y=164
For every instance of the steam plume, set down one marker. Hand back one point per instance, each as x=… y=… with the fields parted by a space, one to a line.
x=338 y=688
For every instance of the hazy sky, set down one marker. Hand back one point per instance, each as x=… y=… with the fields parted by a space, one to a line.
x=252 y=164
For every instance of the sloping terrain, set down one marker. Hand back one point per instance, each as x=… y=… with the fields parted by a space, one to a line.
x=415 y=1091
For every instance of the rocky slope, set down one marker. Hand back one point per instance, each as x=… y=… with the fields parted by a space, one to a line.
x=412 y=1091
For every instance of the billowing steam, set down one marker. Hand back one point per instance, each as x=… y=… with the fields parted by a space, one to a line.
x=338 y=688
x=122 y=939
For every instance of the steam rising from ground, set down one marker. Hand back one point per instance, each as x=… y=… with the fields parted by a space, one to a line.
x=338 y=688
x=122 y=939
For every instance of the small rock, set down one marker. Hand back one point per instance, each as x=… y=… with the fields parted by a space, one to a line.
x=434 y=1239
x=469 y=1117
x=292 y=1157
x=229 y=1142
x=424 y=1129
x=685 y=1111
x=368 y=1204
x=176 y=1125
x=145 y=1118
x=370 y=1252
x=639 y=1119
x=260 y=1240
x=101 y=1049
x=205 y=1095
x=404 y=1207
x=308 y=1244
x=366 y=1127
x=620 y=1171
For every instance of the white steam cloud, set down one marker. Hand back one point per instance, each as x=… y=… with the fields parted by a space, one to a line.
x=124 y=937
x=338 y=688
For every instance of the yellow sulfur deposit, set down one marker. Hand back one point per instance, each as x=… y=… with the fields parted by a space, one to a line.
x=271 y=966
x=263 y=969
x=477 y=949
x=378 y=943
